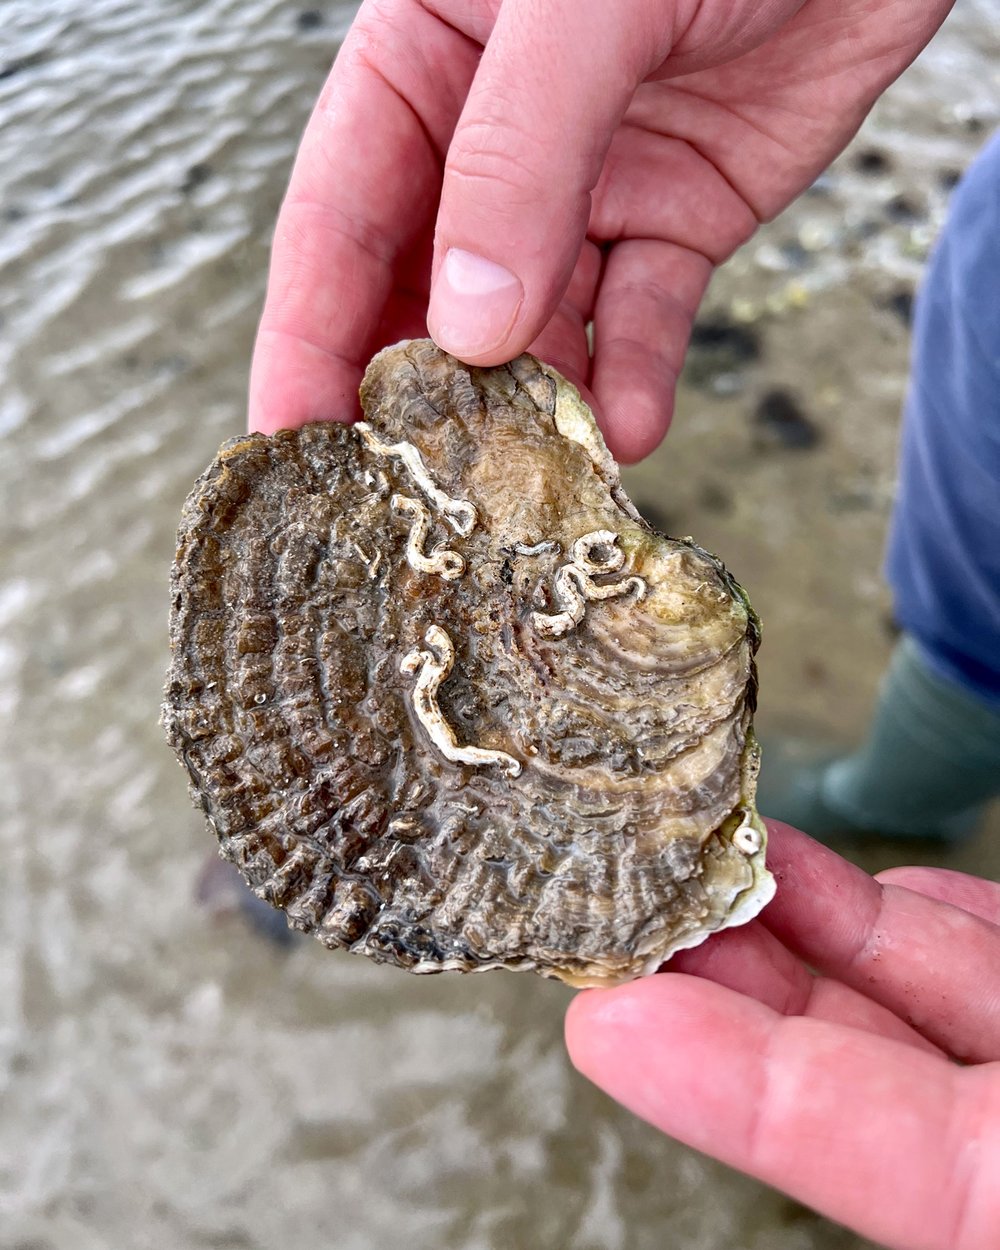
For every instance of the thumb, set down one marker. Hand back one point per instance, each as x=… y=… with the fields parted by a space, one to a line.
x=552 y=86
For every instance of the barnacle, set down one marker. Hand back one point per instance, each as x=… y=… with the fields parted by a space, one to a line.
x=448 y=701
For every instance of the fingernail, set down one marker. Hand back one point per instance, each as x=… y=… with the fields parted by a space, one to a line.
x=473 y=304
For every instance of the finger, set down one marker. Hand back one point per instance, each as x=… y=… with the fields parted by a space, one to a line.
x=902 y=1146
x=364 y=185
x=751 y=960
x=563 y=340
x=680 y=216
x=972 y=894
x=552 y=87
x=404 y=315
x=642 y=321
x=931 y=964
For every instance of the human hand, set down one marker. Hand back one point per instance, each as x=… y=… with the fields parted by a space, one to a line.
x=838 y=1088
x=598 y=158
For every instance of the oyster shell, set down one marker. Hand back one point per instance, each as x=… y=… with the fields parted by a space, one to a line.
x=448 y=701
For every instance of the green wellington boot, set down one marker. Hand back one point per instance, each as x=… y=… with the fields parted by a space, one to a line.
x=928 y=766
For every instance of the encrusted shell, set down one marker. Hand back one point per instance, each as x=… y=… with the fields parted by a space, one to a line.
x=446 y=699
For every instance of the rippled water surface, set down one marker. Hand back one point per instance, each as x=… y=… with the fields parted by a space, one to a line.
x=168 y=1076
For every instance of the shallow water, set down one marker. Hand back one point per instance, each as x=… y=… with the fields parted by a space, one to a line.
x=168 y=1077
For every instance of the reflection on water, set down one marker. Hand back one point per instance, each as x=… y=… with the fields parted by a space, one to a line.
x=167 y=1076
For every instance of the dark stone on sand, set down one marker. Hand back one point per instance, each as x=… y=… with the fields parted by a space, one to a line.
x=872 y=162
x=901 y=303
x=720 y=349
x=309 y=19
x=903 y=209
x=736 y=342
x=8 y=69
x=780 y=422
x=196 y=175
x=949 y=178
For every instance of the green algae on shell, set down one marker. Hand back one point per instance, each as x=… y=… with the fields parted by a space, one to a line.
x=446 y=699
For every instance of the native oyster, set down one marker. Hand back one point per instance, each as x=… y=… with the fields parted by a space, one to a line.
x=448 y=701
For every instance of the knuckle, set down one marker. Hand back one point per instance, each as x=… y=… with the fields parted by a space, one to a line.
x=498 y=155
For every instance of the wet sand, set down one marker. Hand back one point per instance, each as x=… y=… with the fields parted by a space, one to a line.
x=168 y=1077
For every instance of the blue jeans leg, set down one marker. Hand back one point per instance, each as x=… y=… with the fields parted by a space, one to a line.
x=944 y=550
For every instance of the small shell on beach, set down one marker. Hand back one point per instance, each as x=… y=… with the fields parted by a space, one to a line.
x=448 y=701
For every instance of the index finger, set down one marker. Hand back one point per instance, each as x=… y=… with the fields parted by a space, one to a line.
x=973 y=894
x=932 y=964
x=364 y=186
x=897 y=1143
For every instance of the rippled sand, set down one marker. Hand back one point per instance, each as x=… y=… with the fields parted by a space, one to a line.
x=168 y=1077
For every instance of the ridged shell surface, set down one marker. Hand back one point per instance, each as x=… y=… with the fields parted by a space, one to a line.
x=448 y=701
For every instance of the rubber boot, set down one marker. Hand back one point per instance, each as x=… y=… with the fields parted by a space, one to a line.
x=930 y=763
